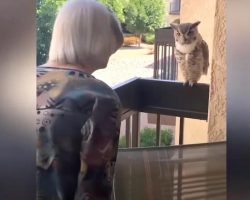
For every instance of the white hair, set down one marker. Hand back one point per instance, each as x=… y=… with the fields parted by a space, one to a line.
x=86 y=33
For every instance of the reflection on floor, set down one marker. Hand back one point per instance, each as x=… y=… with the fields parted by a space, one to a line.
x=191 y=172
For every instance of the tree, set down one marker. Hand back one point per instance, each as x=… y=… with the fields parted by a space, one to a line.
x=142 y=16
x=117 y=6
x=46 y=13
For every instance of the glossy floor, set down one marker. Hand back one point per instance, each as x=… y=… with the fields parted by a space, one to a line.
x=191 y=172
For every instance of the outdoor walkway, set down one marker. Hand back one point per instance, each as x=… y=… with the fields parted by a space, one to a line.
x=126 y=63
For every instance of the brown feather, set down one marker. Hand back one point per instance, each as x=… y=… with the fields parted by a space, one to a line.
x=192 y=53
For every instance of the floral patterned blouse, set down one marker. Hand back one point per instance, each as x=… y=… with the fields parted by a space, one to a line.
x=78 y=126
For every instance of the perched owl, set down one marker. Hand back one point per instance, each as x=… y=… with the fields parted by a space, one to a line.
x=191 y=52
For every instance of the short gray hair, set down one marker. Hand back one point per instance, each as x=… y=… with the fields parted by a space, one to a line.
x=86 y=33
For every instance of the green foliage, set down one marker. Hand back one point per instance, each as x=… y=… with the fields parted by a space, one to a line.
x=122 y=142
x=148 y=137
x=142 y=16
x=139 y=16
x=155 y=11
x=166 y=137
x=46 y=13
x=149 y=38
x=117 y=6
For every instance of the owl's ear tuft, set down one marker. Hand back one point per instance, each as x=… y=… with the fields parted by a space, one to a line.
x=174 y=26
x=195 y=24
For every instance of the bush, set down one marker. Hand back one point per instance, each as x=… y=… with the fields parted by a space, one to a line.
x=122 y=142
x=148 y=138
x=144 y=16
x=46 y=14
x=149 y=38
x=166 y=137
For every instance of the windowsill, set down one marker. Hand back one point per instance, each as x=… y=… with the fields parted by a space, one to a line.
x=174 y=13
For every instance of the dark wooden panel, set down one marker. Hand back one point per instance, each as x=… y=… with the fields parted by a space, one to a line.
x=175 y=112
x=135 y=130
x=165 y=97
x=128 y=93
x=158 y=130
x=165 y=35
x=174 y=97
x=181 y=131
x=128 y=132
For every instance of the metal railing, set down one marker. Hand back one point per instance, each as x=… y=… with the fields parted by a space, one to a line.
x=165 y=65
x=162 y=97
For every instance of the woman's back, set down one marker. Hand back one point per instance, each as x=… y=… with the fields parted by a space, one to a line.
x=78 y=124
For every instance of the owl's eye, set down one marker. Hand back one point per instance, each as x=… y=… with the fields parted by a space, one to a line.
x=178 y=34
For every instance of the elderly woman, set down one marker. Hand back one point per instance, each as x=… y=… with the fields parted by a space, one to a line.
x=78 y=116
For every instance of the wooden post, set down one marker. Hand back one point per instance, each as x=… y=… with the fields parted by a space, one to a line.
x=128 y=135
x=135 y=129
x=158 y=130
x=181 y=131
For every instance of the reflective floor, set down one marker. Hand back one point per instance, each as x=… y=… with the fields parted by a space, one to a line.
x=190 y=172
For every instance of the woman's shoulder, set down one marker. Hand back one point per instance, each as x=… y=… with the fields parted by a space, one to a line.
x=99 y=89
x=68 y=85
x=99 y=86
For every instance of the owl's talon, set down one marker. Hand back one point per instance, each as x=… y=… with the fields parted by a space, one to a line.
x=191 y=84
x=185 y=83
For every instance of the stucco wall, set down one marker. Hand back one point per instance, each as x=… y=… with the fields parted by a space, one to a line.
x=169 y=17
x=217 y=109
x=195 y=131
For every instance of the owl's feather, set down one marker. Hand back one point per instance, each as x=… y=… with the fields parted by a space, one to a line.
x=204 y=48
x=191 y=51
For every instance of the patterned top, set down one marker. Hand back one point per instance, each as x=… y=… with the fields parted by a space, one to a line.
x=78 y=126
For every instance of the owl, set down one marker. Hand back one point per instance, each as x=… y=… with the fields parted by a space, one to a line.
x=191 y=52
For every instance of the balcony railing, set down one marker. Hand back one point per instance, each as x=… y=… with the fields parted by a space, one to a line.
x=161 y=97
x=165 y=65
